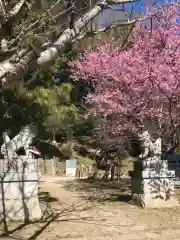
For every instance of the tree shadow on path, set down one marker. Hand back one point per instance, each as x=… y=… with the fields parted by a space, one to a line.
x=98 y=192
x=50 y=215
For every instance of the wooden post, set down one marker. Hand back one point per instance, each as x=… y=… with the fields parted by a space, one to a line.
x=53 y=160
x=118 y=168
x=44 y=160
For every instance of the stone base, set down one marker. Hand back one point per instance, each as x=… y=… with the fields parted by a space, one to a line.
x=146 y=201
x=15 y=209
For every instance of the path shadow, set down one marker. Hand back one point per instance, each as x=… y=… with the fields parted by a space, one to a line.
x=98 y=192
x=45 y=197
x=122 y=198
x=88 y=191
x=61 y=216
x=49 y=215
x=45 y=200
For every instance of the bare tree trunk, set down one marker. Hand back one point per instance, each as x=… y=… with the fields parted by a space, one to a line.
x=45 y=168
x=105 y=176
x=53 y=161
x=118 y=169
x=119 y=165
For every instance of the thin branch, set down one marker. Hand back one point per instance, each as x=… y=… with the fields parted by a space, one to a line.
x=13 y=15
x=155 y=13
x=30 y=27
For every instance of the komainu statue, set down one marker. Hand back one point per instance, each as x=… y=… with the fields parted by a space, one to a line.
x=150 y=148
x=23 y=139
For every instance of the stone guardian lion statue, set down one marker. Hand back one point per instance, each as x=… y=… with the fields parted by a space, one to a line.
x=150 y=148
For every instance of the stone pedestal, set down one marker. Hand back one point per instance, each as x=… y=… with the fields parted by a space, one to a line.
x=152 y=183
x=19 y=189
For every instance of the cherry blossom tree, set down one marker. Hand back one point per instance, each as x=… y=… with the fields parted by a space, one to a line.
x=137 y=88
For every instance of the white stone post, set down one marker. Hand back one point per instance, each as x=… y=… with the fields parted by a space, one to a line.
x=151 y=181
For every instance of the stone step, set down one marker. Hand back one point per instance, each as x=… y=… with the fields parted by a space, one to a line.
x=152 y=174
x=144 y=164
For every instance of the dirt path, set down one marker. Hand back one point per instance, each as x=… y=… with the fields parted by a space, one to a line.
x=86 y=211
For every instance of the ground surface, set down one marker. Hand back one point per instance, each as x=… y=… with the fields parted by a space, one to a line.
x=88 y=211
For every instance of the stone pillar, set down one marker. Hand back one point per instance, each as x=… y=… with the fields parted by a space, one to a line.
x=152 y=183
x=19 y=189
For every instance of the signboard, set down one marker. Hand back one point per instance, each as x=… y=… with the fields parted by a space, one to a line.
x=71 y=168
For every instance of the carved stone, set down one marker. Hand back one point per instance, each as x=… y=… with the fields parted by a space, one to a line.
x=19 y=179
x=151 y=181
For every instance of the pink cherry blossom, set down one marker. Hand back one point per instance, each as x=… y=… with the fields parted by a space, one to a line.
x=140 y=86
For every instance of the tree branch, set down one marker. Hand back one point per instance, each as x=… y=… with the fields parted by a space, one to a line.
x=16 y=9
x=67 y=37
x=2 y=8
x=12 y=16
x=13 y=71
x=34 y=24
x=10 y=71
x=92 y=33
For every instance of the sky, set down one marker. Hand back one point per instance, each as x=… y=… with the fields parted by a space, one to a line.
x=141 y=5
x=115 y=13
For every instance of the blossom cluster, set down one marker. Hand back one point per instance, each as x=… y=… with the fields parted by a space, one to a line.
x=137 y=86
x=178 y=23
